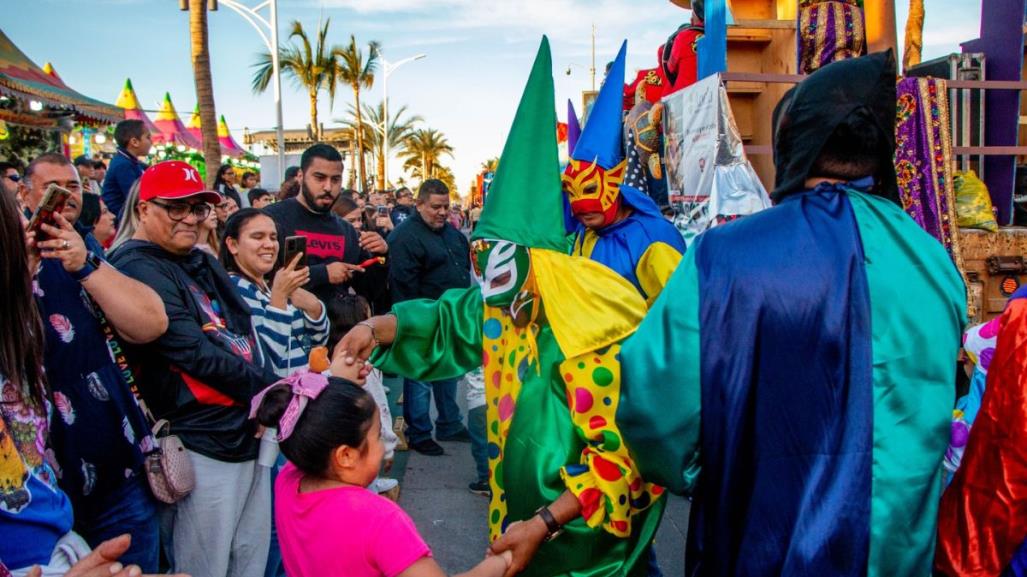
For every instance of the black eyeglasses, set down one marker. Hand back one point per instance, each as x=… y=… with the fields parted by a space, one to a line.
x=178 y=211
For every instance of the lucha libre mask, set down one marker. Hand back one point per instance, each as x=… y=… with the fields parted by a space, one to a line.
x=505 y=269
x=592 y=188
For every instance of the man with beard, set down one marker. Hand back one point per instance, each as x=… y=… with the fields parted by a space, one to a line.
x=334 y=247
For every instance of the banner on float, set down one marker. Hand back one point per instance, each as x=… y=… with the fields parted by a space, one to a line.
x=710 y=180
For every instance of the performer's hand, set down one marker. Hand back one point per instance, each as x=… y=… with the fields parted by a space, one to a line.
x=355 y=347
x=522 y=539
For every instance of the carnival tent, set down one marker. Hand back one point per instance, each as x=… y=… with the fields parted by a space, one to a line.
x=171 y=127
x=130 y=102
x=229 y=146
x=23 y=80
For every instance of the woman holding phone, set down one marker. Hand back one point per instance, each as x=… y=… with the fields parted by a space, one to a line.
x=288 y=319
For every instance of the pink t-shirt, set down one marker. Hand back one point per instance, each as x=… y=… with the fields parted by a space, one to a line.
x=344 y=531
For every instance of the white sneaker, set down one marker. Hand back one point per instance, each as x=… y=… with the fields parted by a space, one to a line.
x=383 y=485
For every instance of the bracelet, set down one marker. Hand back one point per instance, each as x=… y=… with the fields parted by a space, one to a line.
x=89 y=267
x=553 y=528
x=374 y=335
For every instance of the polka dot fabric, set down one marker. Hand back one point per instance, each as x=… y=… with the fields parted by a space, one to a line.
x=605 y=481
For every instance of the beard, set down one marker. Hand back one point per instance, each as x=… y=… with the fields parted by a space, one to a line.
x=310 y=200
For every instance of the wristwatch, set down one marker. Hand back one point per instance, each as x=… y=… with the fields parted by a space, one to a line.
x=553 y=528
x=92 y=263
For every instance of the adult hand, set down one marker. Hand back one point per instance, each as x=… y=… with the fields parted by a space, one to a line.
x=356 y=346
x=32 y=251
x=287 y=280
x=522 y=539
x=103 y=561
x=373 y=243
x=353 y=372
x=384 y=223
x=340 y=272
x=64 y=244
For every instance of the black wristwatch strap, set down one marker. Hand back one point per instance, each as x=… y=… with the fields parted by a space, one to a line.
x=552 y=526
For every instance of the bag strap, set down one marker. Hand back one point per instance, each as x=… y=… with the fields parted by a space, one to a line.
x=120 y=359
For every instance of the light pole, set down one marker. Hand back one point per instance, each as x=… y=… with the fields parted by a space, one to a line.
x=263 y=26
x=387 y=69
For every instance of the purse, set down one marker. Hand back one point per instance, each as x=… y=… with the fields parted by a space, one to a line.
x=169 y=470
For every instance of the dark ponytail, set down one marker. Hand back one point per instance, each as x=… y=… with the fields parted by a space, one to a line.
x=341 y=415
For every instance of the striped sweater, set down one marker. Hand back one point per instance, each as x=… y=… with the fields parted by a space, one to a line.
x=286 y=336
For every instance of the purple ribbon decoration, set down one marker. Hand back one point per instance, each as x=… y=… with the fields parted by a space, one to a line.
x=305 y=386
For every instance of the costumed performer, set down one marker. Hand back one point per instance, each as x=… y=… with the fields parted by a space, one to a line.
x=618 y=225
x=547 y=327
x=796 y=374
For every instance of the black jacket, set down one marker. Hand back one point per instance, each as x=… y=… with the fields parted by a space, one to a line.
x=426 y=263
x=201 y=374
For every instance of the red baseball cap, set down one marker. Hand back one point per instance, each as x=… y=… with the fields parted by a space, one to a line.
x=174 y=180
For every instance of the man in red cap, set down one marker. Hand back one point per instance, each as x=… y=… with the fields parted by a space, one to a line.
x=200 y=376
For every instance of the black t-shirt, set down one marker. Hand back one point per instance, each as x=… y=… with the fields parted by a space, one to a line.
x=329 y=239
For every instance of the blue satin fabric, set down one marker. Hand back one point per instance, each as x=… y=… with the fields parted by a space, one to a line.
x=621 y=245
x=787 y=394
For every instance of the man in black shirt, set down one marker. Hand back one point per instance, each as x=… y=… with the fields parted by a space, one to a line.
x=334 y=247
x=404 y=208
x=429 y=257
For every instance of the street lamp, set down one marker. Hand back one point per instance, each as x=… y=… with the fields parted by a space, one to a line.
x=263 y=26
x=387 y=69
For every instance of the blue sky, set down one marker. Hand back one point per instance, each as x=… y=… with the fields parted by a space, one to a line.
x=479 y=54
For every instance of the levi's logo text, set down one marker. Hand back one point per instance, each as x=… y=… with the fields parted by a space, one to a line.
x=324 y=245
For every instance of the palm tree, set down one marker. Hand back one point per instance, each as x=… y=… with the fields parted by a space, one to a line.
x=914 y=35
x=314 y=67
x=204 y=87
x=357 y=72
x=400 y=129
x=422 y=151
x=490 y=165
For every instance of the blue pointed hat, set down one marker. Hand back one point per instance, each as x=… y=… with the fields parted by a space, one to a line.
x=573 y=128
x=602 y=139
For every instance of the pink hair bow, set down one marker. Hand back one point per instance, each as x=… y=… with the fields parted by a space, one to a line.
x=305 y=386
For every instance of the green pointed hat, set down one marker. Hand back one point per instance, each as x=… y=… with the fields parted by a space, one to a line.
x=525 y=204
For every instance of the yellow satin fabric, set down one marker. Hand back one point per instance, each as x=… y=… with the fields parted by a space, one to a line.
x=658 y=262
x=588 y=305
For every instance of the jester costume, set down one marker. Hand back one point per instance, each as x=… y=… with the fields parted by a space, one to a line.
x=547 y=327
x=796 y=374
x=983 y=517
x=644 y=247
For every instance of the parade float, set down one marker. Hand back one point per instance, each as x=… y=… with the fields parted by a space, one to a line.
x=958 y=127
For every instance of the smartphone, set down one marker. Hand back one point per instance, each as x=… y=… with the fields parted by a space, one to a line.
x=383 y=210
x=52 y=203
x=295 y=245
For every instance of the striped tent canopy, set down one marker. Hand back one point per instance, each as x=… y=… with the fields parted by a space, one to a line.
x=229 y=147
x=133 y=111
x=171 y=127
x=22 y=79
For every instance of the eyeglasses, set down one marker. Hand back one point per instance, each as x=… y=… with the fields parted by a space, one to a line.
x=178 y=211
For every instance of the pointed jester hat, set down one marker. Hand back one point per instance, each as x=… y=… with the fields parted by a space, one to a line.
x=523 y=208
x=596 y=168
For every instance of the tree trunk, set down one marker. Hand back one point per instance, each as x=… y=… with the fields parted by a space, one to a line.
x=914 y=35
x=353 y=170
x=204 y=88
x=314 y=128
x=381 y=165
x=360 y=138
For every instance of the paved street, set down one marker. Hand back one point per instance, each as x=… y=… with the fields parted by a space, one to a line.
x=452 y=520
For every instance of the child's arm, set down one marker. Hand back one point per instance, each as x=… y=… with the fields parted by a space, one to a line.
x=493 y=566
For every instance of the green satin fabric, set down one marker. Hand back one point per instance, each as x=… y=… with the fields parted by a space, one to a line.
x=435 y=340
x=910 y=278
x=660 y=401
x=442 y=339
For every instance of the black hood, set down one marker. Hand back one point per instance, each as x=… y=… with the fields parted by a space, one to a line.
x=809 y=113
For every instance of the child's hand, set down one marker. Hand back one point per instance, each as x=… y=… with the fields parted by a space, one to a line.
x=356 y=372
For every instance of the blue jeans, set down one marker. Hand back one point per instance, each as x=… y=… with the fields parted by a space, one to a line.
x=131 y=509
x=417 y=409
x=476 y=426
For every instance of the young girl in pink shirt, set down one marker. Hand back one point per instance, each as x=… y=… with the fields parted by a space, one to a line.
x=328 y=523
